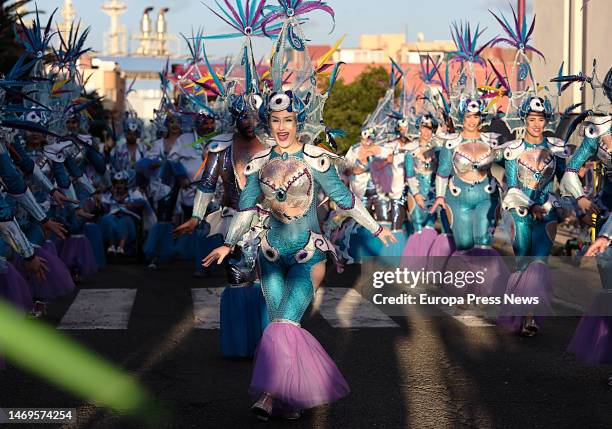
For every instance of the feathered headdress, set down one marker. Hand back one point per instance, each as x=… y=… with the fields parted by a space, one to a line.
x=528 y=96
x=464 y=95
x=597 y=119
x=293 y=78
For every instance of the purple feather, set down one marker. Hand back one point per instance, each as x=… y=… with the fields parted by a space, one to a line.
x=500 y=78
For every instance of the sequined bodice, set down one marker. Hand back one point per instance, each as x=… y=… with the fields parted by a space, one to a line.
x=604 y=153
x=231 y=189
x=536 y=167
x=288 y=188
x=472 y=156
x=425 y=160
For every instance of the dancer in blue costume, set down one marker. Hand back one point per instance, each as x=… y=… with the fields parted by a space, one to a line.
x=124 y=208
x=592 y=340
x=420 y=164
x=530 y=203
x=129 y=149
x=531 y=162
x=166 y=177
x=356 y=242
x=374 y=179
x=292 y=371
x=243 y=311
x=465 y=186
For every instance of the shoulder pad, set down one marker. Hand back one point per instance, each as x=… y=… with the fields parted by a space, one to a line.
x=513 y=148
x=55 y=151
x=451 y=141
x=491 y=138
x=219 y=143
x=86 y=139
x=559 y=147
x=257 y=162
x=319 y=158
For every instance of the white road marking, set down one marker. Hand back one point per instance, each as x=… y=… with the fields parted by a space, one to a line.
x=206 y=307
x=99 y=309
x=346 y=308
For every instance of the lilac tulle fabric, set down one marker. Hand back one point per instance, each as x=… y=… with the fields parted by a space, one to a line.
x=49 y=246
x=533 y=282
x=14 y=288
x=292 y=366
x=57 y=282
x=77 y=253
x=496 y=272
x=592 y=340
x=442 y=247
x=414 y=256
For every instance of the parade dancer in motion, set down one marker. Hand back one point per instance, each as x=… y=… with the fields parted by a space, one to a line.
x=465 y=185
x=592 y=340
x=292 y=371
x=243 y=311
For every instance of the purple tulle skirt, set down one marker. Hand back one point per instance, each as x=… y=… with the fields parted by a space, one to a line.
x=57 y=282
x=49 y=246
x=496 y=273
x=592 y=340
x=14 y=288
x=292 y=366
x=442 y=247
x=533 y=282
x=414 y=256
x=77 y=253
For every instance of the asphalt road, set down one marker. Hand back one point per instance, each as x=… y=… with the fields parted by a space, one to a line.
x=426 y=372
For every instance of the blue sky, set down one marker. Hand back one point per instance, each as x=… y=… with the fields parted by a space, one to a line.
x=353 y=17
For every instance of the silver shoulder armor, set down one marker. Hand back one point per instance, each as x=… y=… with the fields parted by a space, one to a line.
x=219 y=143
x=257 y=162
x=319 y=159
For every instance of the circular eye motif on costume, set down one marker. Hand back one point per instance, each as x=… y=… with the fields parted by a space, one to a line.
x=281 y=195
x=39 y=54
x=536 y=105
x=248 y=31
x=473 y=106
x=367 y=133
x=403 y=123
x=591 y=130
x=254 y=101
x=133 y=126
x=33 y=117
x=290 y=12
x=454 y=191
x=280 y=102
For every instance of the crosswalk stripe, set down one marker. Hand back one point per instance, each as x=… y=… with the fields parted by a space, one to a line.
x=99 y=309
x=346 y=308
x=206 y=310
x=340 y=307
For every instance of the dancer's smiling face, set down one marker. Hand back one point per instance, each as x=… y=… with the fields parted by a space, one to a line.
x=283 y=126
x=426 y=132
x=534 y=124
x=471 y=122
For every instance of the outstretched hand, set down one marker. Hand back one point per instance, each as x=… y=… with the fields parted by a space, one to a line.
x=186 y=228
x=37 y=267
x=387 y=237
x=219 y=254
x=53 y=227
x=440 y=202
x=60 y=198
x=599 y=246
